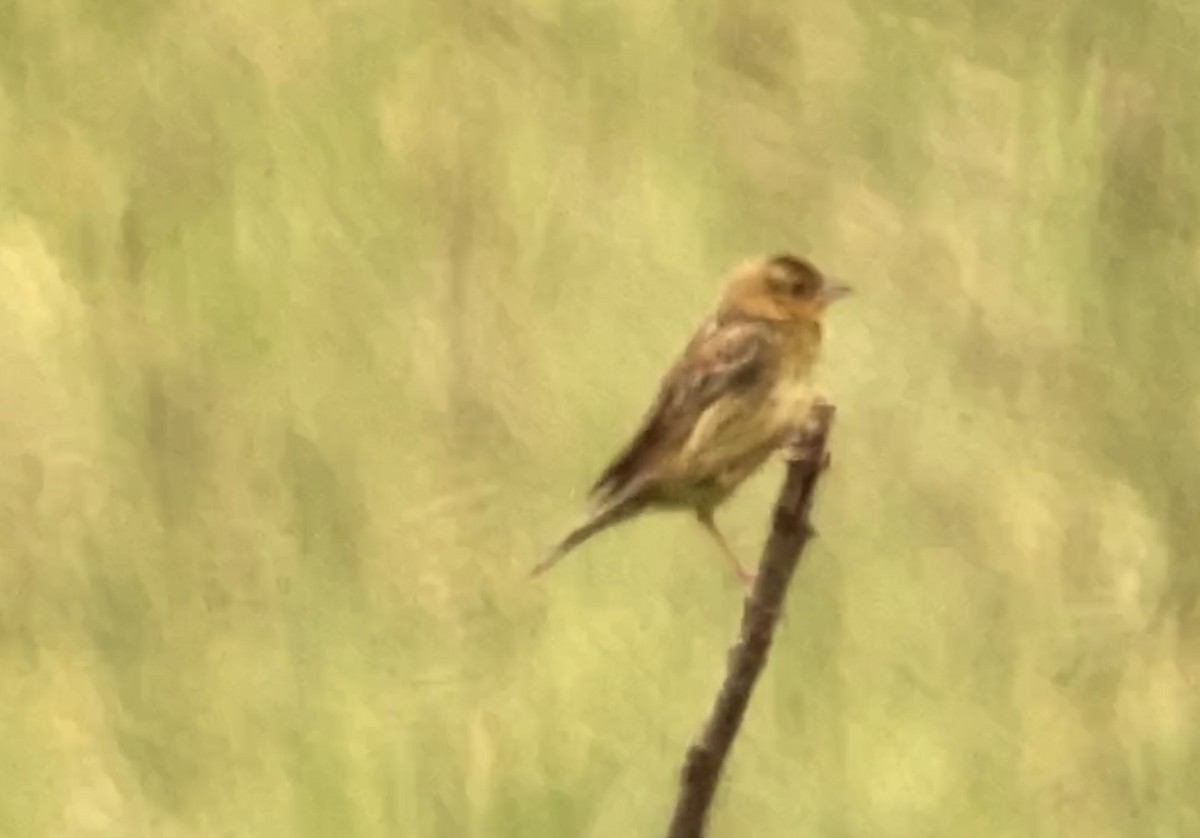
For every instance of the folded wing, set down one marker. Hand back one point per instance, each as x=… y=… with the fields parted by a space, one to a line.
x=722 y=359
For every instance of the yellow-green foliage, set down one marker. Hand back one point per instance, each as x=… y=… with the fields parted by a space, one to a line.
x=316 y=317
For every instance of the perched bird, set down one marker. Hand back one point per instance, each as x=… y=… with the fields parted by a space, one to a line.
x=737 y=393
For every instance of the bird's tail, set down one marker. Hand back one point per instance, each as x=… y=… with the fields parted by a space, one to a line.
x=613 y=511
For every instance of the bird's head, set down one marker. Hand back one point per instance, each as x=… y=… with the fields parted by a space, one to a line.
x=780 y=288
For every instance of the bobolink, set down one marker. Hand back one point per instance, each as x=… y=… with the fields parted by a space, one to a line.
x=738 y=393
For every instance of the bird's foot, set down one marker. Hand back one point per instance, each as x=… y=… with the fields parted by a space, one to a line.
x=798 y=449
x=799 y=445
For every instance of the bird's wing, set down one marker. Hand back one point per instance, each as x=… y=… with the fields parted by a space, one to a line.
x=721 y=358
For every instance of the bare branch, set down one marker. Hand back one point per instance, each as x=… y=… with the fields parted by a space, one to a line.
x=790 y=532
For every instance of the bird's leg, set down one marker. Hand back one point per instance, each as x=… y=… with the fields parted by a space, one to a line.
x=745 y=577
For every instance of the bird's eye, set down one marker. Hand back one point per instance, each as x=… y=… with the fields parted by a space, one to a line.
x=803 y=286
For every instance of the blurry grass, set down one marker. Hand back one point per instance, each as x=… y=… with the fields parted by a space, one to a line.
x=316 y=317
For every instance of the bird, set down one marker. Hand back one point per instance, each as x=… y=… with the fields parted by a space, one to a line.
x=737 y=393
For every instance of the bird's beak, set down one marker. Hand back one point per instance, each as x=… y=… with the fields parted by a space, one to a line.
x=834 y=291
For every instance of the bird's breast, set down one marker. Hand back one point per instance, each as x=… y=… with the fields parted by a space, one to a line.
x=792 y=395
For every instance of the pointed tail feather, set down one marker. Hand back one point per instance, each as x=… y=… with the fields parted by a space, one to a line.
x=613 y=512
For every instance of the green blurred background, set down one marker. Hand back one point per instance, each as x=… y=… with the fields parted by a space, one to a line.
x=315 y=318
